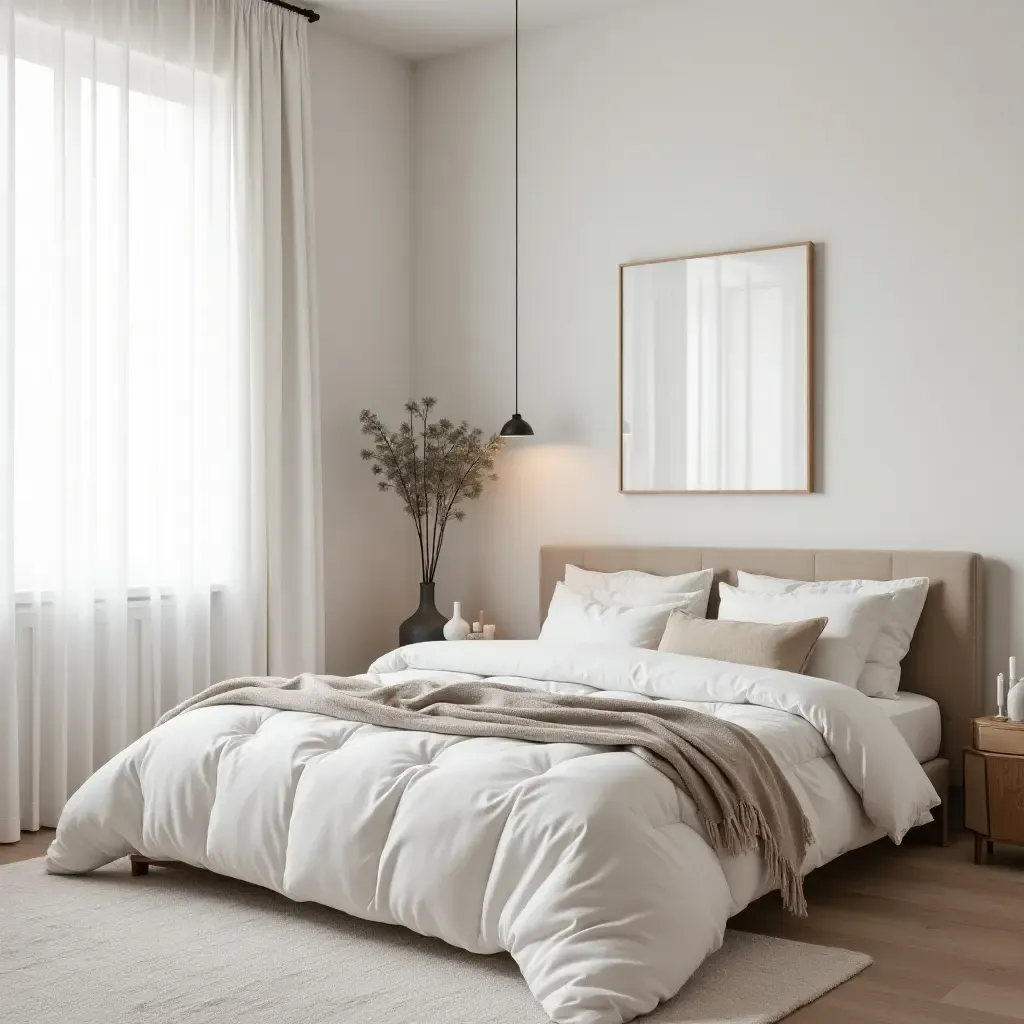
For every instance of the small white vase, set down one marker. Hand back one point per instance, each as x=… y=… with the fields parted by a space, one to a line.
x=1015 y=702
x=456 y=628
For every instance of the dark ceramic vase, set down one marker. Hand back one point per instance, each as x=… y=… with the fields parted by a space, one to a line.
x=427 y=624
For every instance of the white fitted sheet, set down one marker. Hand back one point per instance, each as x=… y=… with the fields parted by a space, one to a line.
x=919 y=721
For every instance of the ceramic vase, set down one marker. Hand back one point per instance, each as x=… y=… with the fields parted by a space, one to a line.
x=426 y=624
x=456 y=628
x=1015 y=702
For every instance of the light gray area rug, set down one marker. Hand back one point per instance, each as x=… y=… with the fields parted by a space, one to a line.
x=191 y=948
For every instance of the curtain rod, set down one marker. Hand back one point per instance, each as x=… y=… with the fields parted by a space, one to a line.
x=310 y=16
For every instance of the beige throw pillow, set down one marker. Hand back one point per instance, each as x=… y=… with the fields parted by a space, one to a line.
x=787 y=646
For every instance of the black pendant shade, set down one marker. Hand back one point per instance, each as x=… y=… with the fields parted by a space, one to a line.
x=517 y=427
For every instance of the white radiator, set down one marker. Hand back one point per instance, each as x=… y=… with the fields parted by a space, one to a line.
x=82 y=702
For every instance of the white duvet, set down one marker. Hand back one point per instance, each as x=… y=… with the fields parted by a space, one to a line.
x=587 y=865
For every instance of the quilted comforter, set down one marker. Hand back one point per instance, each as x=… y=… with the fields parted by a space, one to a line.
x=588 y=865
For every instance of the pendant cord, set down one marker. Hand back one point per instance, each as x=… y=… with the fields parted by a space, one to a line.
x=517 y=204
x=517 y=426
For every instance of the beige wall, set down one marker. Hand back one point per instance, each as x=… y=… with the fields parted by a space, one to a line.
x=362 y=157
x=890 y=132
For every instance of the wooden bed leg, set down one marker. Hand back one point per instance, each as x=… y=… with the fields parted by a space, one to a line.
x=944 y=822
x=140 y=866
x=982 y=850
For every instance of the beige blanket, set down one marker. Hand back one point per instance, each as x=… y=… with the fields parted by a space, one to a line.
x=741 y=795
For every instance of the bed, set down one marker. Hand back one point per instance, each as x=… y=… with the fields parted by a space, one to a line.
x=586 y=864
x=945 y=660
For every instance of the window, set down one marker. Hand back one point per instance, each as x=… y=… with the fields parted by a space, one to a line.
x=126 y=355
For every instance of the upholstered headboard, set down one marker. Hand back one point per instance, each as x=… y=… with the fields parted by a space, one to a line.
x=945 y=659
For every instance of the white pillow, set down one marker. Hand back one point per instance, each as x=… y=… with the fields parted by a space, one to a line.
x=603 y=618
x=881 y=674
x=632 y=583
x=842 y=650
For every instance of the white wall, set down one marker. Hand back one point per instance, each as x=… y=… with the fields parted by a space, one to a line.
x=890 y=132
x=362 y=157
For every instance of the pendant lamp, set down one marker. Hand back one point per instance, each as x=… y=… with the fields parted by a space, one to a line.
x=517 y=426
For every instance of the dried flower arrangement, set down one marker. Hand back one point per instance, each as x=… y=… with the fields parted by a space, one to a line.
x=433 y=467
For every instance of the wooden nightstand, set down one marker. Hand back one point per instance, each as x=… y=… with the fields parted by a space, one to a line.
x=994 y=788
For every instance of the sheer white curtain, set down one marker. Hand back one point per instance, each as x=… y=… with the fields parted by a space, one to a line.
x=159 y=429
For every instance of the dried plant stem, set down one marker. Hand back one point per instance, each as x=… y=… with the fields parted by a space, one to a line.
x=405 y=494
x=447 y=512
x=434 y=467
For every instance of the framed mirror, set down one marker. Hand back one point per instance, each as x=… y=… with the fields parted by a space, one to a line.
x=716 y=375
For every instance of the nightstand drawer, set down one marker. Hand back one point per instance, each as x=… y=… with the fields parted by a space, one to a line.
x=994 y=796
x=1005 y=778
x=998 y=737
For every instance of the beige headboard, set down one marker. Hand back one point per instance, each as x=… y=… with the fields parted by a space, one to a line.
x=945 y=659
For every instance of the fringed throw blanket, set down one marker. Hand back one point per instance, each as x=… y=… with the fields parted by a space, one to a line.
x=742 y=797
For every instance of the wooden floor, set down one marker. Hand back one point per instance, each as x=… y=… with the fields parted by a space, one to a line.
x=33 y=844
x=947 y=936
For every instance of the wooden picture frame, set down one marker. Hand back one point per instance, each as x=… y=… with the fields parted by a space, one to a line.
x=807 y=484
